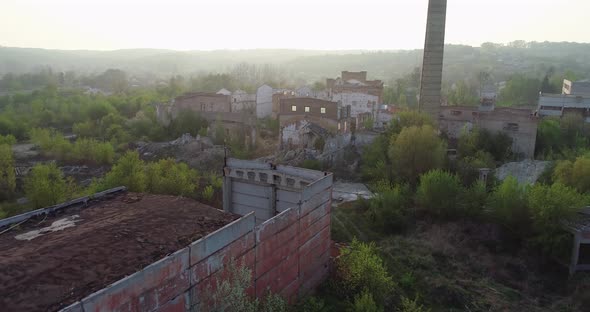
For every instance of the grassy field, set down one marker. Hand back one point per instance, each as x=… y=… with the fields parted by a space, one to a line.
x=466 y=266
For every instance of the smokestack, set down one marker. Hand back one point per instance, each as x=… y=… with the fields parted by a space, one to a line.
x=430 y=82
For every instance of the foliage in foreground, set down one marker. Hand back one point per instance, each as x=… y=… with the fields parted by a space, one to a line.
x=231 y=294
x=360 y=267
x=163 y=177
x=438 y=192
x=45 y=186
x=7 y=175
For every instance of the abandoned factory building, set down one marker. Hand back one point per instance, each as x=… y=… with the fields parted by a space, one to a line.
x=306 y=121
x=519 y=124
x=122 y=251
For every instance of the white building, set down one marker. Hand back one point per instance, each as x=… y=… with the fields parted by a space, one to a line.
x=264 y=101
x=360 y=103
x=242 y=101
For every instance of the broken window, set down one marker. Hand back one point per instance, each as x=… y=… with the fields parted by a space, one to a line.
x=307 y=109
x=323 y=110
x=293 y=108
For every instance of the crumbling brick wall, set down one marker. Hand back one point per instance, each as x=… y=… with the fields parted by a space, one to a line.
x=287 y=254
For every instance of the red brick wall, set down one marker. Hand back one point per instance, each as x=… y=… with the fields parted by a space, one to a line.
x=288 y=255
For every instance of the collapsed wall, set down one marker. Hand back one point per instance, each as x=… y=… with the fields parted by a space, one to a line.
x=283 y=238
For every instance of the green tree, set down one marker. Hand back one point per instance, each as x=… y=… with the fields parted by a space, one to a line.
x=462 y=94
x=581 y=174
x=549 y=207
x=187 y=122
x=508 y=205
x=8 y=139
x=438 y=193
x=520 y=90
x=416 y=150
x=375 y=164
x=562 y=173
x=45 y=186
x=407 y=119
x=364 y=302
x=168 y=177
x=390 y=208
x=473 y=199
x=549 y=137
x=360 y=267
x=128 y=171
x=7 y=175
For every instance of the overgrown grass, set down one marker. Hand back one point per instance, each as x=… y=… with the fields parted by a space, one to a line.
x=464 y=266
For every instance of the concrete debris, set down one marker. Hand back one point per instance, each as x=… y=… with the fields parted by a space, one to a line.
x=527 y=171
x=198 y=152
x=346 y=192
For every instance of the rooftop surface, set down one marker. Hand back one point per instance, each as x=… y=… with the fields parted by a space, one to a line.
x=49 y=262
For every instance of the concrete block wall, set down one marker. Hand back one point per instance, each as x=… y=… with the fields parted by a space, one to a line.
x=288 y=254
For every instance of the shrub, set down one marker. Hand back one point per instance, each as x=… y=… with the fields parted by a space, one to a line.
x=168 y=177
x=508 y=205
x=416 y=151
x=8 y=139
x=364 y=302
x=312 y=304
x=549 y=207
x=473 y=199
x=438 y=193
x=360 y=267
x=128 y=171
x=231 y=294
x=581 y=174
x=207 y=193
x=7 y=175
x=390 y=208
x=45 y=186
x=216 y=181
x=408 y=305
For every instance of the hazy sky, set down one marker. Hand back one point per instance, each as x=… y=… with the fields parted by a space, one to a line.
x=303 y=24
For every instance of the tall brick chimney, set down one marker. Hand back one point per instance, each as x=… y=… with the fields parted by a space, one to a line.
x=430 y=82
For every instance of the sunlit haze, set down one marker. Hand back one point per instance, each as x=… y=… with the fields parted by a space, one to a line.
x=302 y=24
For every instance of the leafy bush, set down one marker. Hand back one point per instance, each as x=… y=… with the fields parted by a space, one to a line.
x=216 y=181
x=438 y=193
x=575 y=174
x=390 y=208
x=508 y=205
x=407 y=119
x=7 y=175
x=360 y=267
x=581 y=174
x=168 y=177
x=187 y=122
x=208 y=192
x=408 y=305
x=416 y=150
x=45 y=186
x=312 y=304
x=231 y=295
x=128 y=171
x=473 y=199
x=364 y=302
x=8 y=139
x=549 y=207
x=375 y=163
